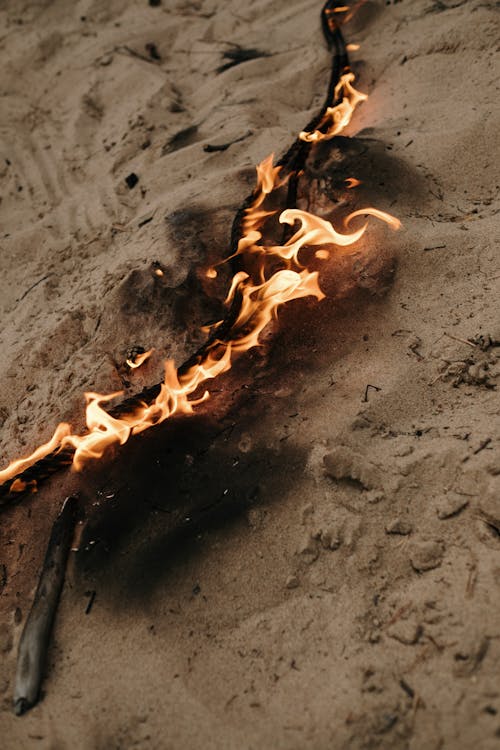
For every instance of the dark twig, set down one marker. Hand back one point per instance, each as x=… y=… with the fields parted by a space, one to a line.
x=484 y=444
x=90 y=603
x=33 y=286
x=35 y=639
x=374 y=387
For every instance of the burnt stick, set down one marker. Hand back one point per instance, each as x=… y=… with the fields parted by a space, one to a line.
x=292 y=162
x=35 y=639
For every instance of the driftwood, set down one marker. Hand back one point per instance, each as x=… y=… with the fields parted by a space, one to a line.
x=35 y=639
x=292 y=162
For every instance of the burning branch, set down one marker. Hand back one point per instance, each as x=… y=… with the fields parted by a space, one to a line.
x=252 y=301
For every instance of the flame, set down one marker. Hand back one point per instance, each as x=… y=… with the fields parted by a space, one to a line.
x=352 y=182
x=338 y=117
x=382 y=215
x=139 y=359
x=258 y=304
x=267 y=181
x=322 y=254
x=105 y=430
x=20 y=464
x=317 y=231
x=351 y=47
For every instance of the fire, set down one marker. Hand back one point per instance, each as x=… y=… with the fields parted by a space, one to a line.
x=382 y=215
x=139 y=359
x=267 y=181
x=316 y=231
x=106 y=430
x=258 y=300
x=20 y=464
x=352 y=182
x=261 y=302
x=338 y=117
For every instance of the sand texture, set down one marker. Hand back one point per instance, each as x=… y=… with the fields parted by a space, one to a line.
x=307 y=563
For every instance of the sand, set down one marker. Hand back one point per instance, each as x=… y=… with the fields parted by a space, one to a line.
x=307 y=564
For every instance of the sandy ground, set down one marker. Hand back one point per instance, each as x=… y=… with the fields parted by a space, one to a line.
x=297 y=567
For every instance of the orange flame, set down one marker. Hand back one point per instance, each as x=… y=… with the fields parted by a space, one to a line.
x=267 y=181
x=139 y=359
x=105 y=430
x=382 y=215
x=352 y=182
x=20 y=464
x=338 y=117
x=317 y=231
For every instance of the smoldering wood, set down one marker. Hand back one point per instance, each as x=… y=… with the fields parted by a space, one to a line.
x=35 y=639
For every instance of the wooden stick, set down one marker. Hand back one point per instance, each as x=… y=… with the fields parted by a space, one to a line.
x=35 y=639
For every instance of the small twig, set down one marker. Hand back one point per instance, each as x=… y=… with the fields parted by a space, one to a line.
x=482 y=446
x=462 y=341
x=407 y=688
x=375 y=388
x=91 y=595
x=33 y=286
x=35 y=639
